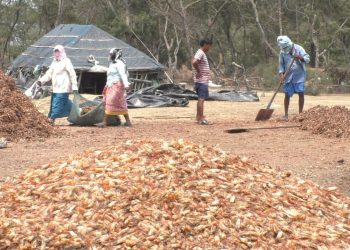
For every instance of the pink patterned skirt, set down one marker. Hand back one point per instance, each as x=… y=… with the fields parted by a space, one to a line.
x=115 y=99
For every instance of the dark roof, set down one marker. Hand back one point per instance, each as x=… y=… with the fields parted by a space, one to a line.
x=80 y=41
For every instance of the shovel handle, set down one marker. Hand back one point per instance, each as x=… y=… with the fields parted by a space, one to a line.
x=279 y=86
x=240 y=130
x=278 y=127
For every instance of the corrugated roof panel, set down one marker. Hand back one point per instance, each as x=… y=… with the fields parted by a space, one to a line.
x=71 y=30
x=80 y=41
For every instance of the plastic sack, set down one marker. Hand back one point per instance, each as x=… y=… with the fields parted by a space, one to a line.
x=94 y=116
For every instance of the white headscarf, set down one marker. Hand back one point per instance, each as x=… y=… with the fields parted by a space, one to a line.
x=115 y=54
x=61 y=53
x=285 y=44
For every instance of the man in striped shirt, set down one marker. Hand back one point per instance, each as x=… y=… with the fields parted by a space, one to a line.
x=201 y=77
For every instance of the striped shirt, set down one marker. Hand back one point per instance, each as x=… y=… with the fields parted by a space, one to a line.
x=203 y=67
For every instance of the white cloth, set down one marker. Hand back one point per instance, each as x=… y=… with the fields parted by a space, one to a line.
x=117 y=72
x=62 y=75
x=285 y=44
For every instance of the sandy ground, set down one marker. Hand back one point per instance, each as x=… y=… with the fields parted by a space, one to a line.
x=323 y=160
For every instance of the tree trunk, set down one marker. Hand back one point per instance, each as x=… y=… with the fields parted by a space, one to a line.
x=187 y=30
x=127 y=12
x=182 y=12
x=176 y=50
x=59 y=13
x=10 y=34
x=222 y=60
x=280 y=17
x=257 y=20
x=334 y=36
x=297 y=20
x=168 y=46
x=111 y=7
x=212 y=20
x=314 y=43
x=244 y=42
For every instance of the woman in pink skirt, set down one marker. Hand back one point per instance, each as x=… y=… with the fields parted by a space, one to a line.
x=114 y=93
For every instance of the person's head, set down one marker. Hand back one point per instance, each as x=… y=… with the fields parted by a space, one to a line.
x=59 y=53
x=205 y=44
x=285 y=44
x=115 y=54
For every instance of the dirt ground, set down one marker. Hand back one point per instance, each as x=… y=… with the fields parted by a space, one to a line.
x=323 y=160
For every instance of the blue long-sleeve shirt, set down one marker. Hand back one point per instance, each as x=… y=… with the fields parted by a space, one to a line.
x=297 y=73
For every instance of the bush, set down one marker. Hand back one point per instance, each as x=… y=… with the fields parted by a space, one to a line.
x=317 y=79
x=269 y=72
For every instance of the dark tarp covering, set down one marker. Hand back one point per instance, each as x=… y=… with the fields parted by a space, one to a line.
x=171 y=90
x=170 y=95
x=151 y=101
x=234 y=96
x=81 y=41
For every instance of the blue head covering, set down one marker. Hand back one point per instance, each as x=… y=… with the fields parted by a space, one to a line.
x=285 y=44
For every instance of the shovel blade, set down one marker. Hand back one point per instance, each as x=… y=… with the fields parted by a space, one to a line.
x=236 y=130
x=264 y=114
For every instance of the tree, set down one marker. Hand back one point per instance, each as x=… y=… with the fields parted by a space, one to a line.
x=244 y=31
x=59 y=12
x=11 y=11
x=257 y=20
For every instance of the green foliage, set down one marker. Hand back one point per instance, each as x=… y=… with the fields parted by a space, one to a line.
x=269 y=72
x=232 y=24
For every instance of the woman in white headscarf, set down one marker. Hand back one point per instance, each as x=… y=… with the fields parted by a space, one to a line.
x=294 y=82
x=114 y=93
x=64 y=81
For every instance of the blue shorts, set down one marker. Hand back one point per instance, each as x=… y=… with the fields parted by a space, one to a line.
x=291 y=88
x=201 y=90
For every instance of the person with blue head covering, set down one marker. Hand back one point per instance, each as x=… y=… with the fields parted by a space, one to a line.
x=294 y=82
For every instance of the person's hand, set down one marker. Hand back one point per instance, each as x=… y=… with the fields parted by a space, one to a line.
x=281 y=78
x=198 y=74
x=298 y=57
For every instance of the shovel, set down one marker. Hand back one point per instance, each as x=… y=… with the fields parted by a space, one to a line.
x=265 y=114
x=241 y=130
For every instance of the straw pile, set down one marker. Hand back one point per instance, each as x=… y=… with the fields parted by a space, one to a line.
x=329 y=121
x=19 y=119
x=168 y=195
